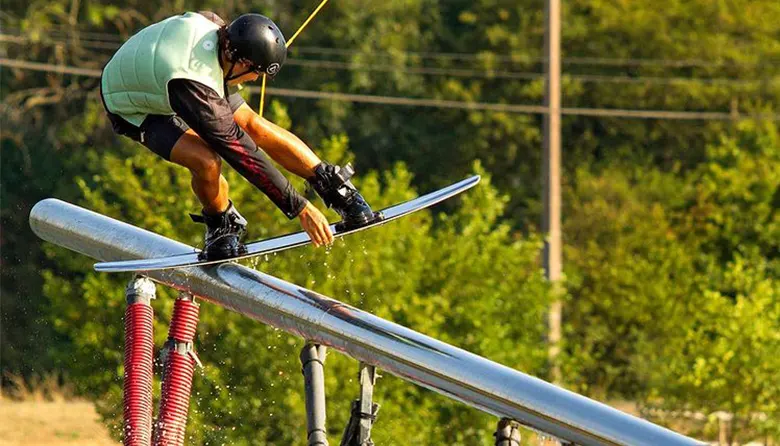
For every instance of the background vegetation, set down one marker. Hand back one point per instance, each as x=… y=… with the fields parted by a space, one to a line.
x=671 y=228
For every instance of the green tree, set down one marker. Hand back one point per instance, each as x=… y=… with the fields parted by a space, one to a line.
x=673 y=279
x=659 y=213
x=726 y=354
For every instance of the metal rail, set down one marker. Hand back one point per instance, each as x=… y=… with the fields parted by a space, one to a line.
x=417 y=358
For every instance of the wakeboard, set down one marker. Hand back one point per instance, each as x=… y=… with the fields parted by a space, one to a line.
x=289 y=241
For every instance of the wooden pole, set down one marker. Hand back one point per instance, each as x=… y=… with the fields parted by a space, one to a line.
x=551 y=220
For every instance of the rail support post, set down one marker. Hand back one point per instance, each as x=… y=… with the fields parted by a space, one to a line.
x=507 y=433
x=313 y=362
x=364 y=410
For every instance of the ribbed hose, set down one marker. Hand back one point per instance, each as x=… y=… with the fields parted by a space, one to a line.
x=139 y=344
x=184 y=321
x=178 y=369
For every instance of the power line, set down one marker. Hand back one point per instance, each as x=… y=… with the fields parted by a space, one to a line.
x=395 y=100
x=505 y=57
x=512 y=108
x=49 y=68
x=491 y=74
x=106 y=37
x=525 y=58
x=351 y=66
x=455 y=72
x=436 y=103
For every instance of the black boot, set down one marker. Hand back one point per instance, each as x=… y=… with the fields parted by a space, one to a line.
x=223 y=234
x=333 y=186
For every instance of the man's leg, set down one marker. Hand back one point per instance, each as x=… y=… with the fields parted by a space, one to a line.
x=205 y=165
x=172 y=139
x=224 y=225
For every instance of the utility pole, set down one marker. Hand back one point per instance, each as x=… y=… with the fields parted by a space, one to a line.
x=551 y=220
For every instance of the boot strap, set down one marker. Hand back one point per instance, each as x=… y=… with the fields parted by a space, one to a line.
x=328 y=178
x=345 y=173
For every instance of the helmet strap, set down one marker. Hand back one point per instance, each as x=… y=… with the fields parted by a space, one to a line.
x=228 y=77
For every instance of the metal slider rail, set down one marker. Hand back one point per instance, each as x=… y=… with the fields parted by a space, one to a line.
x=417 y=358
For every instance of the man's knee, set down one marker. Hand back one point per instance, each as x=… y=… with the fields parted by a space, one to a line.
x=193 y=153
x=208 y=165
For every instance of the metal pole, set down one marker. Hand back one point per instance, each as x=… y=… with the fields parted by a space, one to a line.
x=412 y=356
x=313 y=361
x=507 y=433
x=368 y=409
x=364 y=410
x=551 y=221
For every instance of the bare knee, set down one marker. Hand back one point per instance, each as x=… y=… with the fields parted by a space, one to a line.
x=193 y=153
x=208 y=166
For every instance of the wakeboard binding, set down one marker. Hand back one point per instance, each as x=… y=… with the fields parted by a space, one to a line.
x=223 y=234
x=332 y=183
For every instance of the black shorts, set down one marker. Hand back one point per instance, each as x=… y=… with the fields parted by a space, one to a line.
x=159 y=133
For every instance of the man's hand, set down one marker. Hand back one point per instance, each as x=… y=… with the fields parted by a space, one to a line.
x=316 y=225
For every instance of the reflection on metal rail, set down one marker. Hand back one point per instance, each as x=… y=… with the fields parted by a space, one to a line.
x=450 y=371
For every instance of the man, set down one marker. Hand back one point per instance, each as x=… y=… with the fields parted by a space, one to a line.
x=167 y=88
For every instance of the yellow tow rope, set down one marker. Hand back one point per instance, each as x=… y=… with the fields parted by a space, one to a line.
x=262 y=96
x=289 y=42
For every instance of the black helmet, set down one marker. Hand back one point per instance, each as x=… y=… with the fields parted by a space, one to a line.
x=256 y=39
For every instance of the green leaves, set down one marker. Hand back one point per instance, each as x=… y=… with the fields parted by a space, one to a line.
x=671 y=227
x=674 y=285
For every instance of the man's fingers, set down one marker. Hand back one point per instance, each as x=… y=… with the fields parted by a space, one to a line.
x=316 y=226
x=321 y=239
x=328 y=235
x=321 y=235
x=315 y=237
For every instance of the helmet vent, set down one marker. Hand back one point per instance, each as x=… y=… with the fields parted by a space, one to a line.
x=270 y=27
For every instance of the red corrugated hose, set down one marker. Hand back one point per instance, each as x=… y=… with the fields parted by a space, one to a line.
x=139 y=344
x=178 y=368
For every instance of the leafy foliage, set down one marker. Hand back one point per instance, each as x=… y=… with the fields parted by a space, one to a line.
x=673 y=280
x=670 y=226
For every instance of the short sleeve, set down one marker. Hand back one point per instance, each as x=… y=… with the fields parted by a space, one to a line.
x=235 y=100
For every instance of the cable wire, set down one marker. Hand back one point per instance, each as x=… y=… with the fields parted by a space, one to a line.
x=465 y=73
x=439 y=103
x=504 y=57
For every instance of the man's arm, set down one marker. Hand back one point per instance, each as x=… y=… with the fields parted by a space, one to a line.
x=281 y=145
x=211 y=118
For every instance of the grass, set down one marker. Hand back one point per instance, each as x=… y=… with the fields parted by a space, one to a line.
x=44 y=411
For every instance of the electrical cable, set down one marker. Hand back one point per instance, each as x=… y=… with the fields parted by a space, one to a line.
x=472 y=73
x=438 y=103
